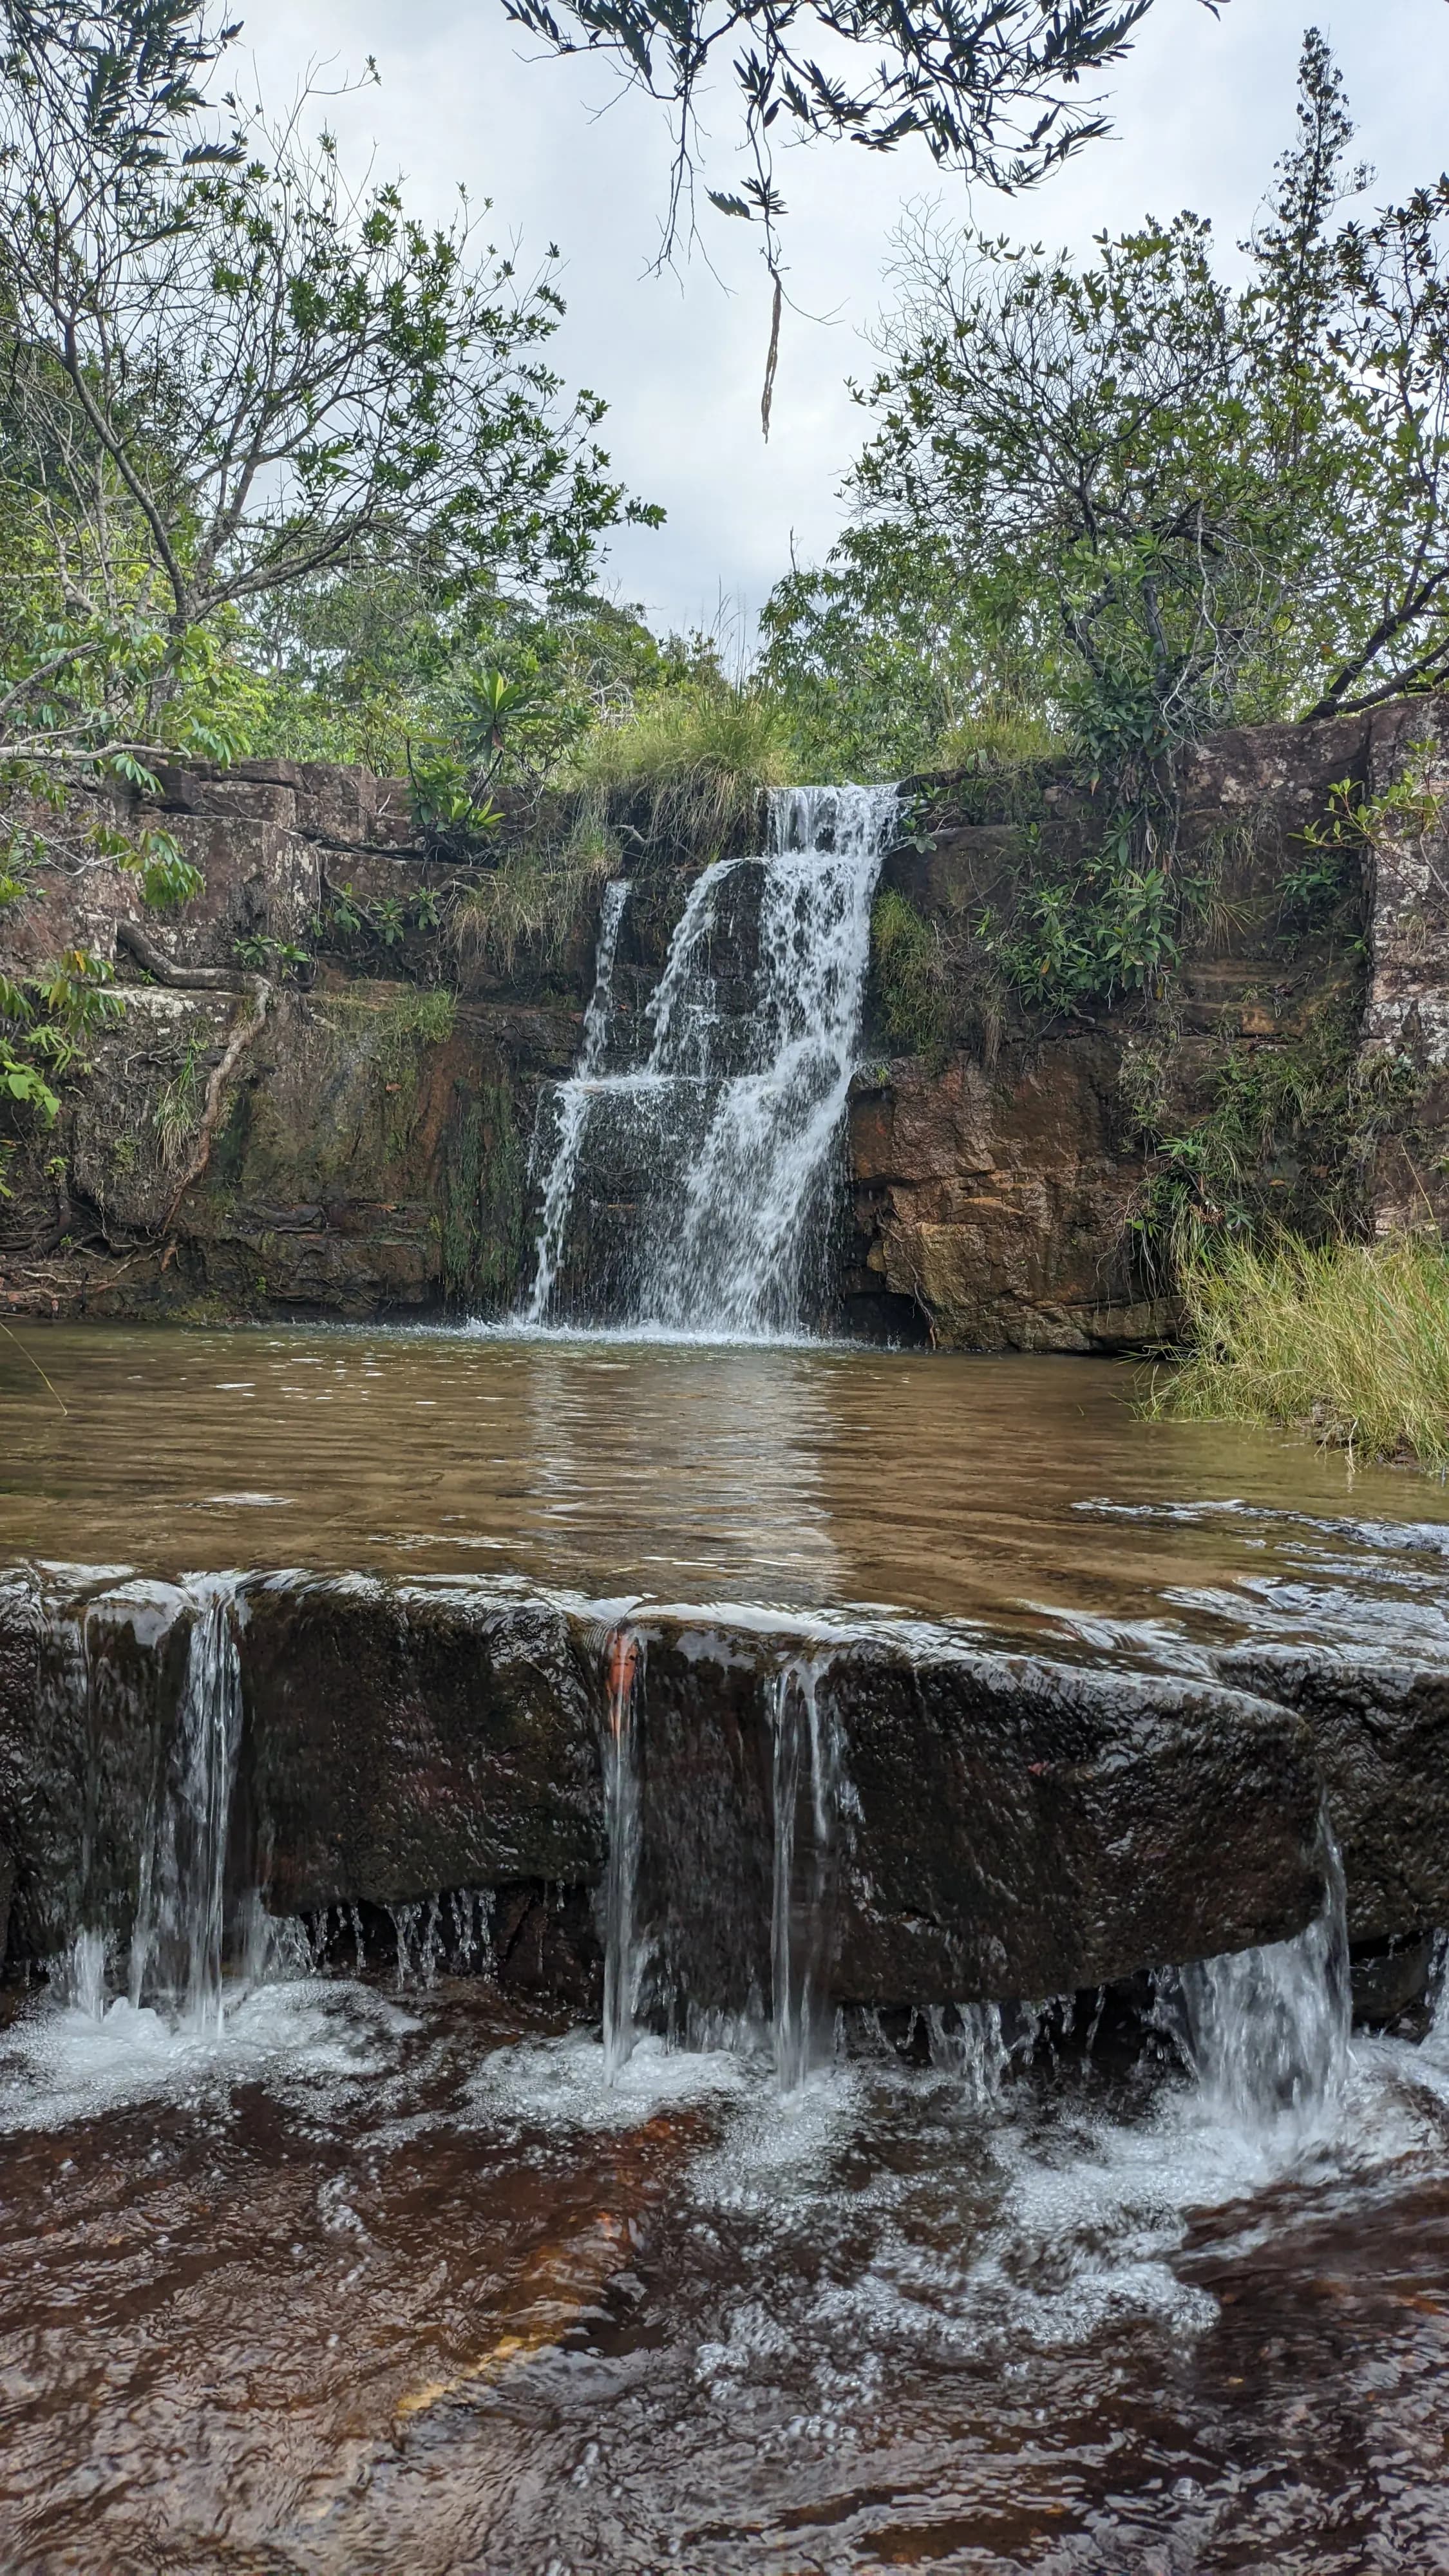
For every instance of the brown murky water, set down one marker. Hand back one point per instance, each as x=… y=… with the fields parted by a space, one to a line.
x=394 y=2289
x=389 y=2284
x=1002 y=1491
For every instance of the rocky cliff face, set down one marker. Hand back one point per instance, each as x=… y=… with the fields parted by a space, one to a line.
x=360 y=1147
x=1003 y=1184
x=239 y=1145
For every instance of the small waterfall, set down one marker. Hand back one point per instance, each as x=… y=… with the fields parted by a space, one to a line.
x=1268 y=2029
x=622 y=1824
x=176 y=1948
x=807 y=1771
x=574 y=1098
x=967 y=2041
x=717 y=1149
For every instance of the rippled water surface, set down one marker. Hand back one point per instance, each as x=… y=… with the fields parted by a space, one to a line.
x=384 y=2282
x=392 y=2284
x=1010 y=1491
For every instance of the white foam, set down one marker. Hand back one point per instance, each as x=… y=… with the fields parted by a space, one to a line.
x=62 y=2063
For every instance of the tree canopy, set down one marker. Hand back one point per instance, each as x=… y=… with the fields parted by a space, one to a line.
x=231 y=370
x=1188 y=499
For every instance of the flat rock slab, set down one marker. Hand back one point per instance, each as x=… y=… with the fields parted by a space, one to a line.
x=998 y=1826
x=957 y=1824
x=1380 y=1730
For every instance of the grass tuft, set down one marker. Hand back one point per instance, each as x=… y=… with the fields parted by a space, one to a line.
x=1350 y=1340
x=908 y=976
x=532 y=902
x=701 y=757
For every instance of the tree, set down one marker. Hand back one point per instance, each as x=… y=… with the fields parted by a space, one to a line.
x=230 y=370
x=1208 y=501
x=989 y=86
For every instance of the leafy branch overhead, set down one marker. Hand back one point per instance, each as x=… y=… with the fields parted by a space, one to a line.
x=230 y=369
x=991 y=87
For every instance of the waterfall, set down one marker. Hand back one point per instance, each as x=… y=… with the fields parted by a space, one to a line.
x=717 y=1148
x=573 y=1101
x=621 y=1819
x=176 y=1947
x=1268 y=2029
x=806 y=1785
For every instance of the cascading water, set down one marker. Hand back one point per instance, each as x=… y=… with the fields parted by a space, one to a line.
x=622 y=1825
x=573 y=1100
x=176 y=1948
x=719 y=1145
x=1268 y=2029
x=806 y=1788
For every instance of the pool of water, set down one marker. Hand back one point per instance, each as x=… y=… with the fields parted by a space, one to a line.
x=1023 y=1494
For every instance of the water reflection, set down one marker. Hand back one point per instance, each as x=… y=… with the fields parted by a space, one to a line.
x=1021 y=1494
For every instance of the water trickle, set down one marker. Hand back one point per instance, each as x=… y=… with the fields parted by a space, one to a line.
x=718 y=1147
x=622 y=1825
x=573 y=1100
x=1268 y=2029
x=807 y=1779
x=966 y=2040
x=176 y=1948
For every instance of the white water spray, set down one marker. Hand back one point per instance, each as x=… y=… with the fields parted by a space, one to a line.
x=807 y=1770
x=574 y=1099
x=622 y=1826
x=1268 y=2029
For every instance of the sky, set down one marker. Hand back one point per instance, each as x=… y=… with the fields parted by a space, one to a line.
x=1201 y=108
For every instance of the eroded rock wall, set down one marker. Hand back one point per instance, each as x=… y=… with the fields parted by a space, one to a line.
x=1002 y=1183
x=333 y=1151
x=322 y=1148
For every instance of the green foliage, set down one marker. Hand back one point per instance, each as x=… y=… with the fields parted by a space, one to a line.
x=180 y=1102
x=45 y=1020
x=909 y=988
x=993 y=87
x=286 y=960
x=697 y=758
x=1348 y=1339
x=430 y=1016
x=233 y=376
x=1278 y=1144
x=1135 y=499
x=533 y=901
x=1088 y=929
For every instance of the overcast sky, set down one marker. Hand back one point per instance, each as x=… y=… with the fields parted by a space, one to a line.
x=1201 y=109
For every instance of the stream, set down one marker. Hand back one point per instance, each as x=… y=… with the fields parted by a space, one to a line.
x=389 y=2272
x=403 y=1730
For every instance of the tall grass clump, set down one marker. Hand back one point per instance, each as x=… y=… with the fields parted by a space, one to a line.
x=908 y=975
x=698 y=758
x=1349 y=1339
x=532 y=901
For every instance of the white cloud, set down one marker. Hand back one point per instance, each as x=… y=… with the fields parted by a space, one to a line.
x=1202 y=107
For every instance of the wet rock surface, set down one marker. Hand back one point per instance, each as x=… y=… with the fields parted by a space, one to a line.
x=400 y=1741
x=965 y=1824
x=1380 y=1728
